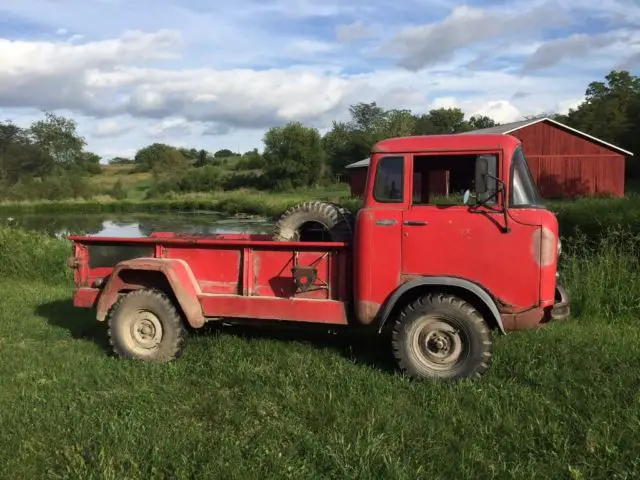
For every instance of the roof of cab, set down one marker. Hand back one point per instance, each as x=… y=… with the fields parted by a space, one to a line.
x=426 y=143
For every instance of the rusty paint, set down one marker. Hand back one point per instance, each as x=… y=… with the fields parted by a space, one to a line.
x=254 y=276
x=405 y=278
x=523 y=321
x=208 y=286
x=548 y=247
x=366 y=311
x=246 y=260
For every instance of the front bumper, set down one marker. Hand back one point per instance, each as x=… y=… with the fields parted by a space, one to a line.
x=561 y=308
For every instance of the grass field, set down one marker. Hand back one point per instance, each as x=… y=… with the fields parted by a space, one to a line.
x=560 y=402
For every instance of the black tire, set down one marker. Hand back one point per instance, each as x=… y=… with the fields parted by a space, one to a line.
x=301 y=223
x=426 y=347
x=141 y=313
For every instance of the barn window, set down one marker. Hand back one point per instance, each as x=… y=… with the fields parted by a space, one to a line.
x=524 y=192
x=389 y=186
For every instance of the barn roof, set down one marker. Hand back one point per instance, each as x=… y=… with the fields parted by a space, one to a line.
x=359 y=163
x=507 y=128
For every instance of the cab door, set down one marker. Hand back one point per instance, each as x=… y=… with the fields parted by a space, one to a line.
x=378 y=252
x=441 y=236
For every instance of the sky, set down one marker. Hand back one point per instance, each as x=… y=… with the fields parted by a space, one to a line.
x=212 y=75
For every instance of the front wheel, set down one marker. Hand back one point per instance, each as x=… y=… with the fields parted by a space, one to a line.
x=441 y=336
x=145 y=325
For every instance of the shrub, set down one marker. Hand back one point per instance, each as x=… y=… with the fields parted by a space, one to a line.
x=205 y=179
x=33 y=256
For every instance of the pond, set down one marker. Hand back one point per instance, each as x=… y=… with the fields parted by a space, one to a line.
x=135 y=225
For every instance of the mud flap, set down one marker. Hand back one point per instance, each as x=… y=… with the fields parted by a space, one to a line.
x=561 y=308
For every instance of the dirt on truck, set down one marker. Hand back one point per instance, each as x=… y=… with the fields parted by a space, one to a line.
x=437 y=278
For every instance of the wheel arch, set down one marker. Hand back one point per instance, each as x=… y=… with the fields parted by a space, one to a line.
x=171 y=276
x=464 y=289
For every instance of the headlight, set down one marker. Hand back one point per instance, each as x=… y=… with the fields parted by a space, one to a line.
x=559 y=246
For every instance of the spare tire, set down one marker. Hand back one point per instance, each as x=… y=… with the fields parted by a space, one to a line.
x=315 y=221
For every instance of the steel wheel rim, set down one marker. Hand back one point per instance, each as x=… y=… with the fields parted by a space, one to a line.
x=438 y=344
x=145 y=331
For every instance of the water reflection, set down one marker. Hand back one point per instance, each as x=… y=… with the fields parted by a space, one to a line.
x=134 y=225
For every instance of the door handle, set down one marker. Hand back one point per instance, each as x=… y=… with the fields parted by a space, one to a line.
x=385 y=222
x=415 y=223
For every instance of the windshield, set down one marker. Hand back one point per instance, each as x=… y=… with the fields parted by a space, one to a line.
x=523 y=189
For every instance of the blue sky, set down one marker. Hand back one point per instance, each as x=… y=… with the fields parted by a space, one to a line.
x=210 y=75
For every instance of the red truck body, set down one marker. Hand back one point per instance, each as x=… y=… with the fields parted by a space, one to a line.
x=218 y=276
x=499 y=255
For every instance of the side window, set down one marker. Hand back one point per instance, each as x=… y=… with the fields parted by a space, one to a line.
x=443 y=179
x=389 y=186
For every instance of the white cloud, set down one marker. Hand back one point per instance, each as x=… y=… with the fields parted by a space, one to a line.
x=578 y=45
x=501 y=111
x=62 y=31
x=422 y=46
x=352 y=31
x=109 y=128
x=303 y=47
x=171 y=127
x=218 y=75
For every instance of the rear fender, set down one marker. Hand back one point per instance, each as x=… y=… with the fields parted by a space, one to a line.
x=477 y=294
x=173 y=276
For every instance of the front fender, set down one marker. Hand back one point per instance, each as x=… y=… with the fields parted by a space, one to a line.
x=457 y=283
x=161 y=273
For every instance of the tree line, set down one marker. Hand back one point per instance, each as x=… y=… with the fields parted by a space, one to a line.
x=48 y=159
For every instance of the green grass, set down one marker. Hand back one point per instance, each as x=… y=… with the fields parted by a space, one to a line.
x=594 y=216
x=560 y=402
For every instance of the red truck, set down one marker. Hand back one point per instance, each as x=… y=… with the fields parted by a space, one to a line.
x=439 y=277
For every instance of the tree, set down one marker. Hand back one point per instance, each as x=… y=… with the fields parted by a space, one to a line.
x=160 y=159
x=121 y=161
x=398 y=123
x=448 y=120
x=611 y=111
x=58 y=136
x=201 y=159
x=366 y=117
x=477 y=122
x=89 y=162
x=19 y=157
x=343 y=146
x=191 y=154
x=293 y=156
x=224 y=153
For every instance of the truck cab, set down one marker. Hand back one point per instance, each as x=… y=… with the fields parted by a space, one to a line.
x=454 y=220
x=462 y=210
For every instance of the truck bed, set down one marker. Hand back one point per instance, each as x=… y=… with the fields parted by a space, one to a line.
x=233 y=275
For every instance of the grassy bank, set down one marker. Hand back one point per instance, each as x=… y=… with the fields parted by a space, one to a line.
x=239 y=202
x=561 y=402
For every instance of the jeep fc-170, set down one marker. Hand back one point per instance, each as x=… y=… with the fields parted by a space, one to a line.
x=436 y=276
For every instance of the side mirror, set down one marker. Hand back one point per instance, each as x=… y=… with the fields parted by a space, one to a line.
x=486 y=175
x=482 y=168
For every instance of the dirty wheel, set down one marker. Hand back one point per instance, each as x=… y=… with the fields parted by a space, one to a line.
x=144 y=324
x=315 y=221
x=441 y=337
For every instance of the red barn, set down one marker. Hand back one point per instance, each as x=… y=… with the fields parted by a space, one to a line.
x=565 y=162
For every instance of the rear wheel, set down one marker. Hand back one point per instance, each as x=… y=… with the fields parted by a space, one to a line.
x=441 y=336
x=145 y=325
